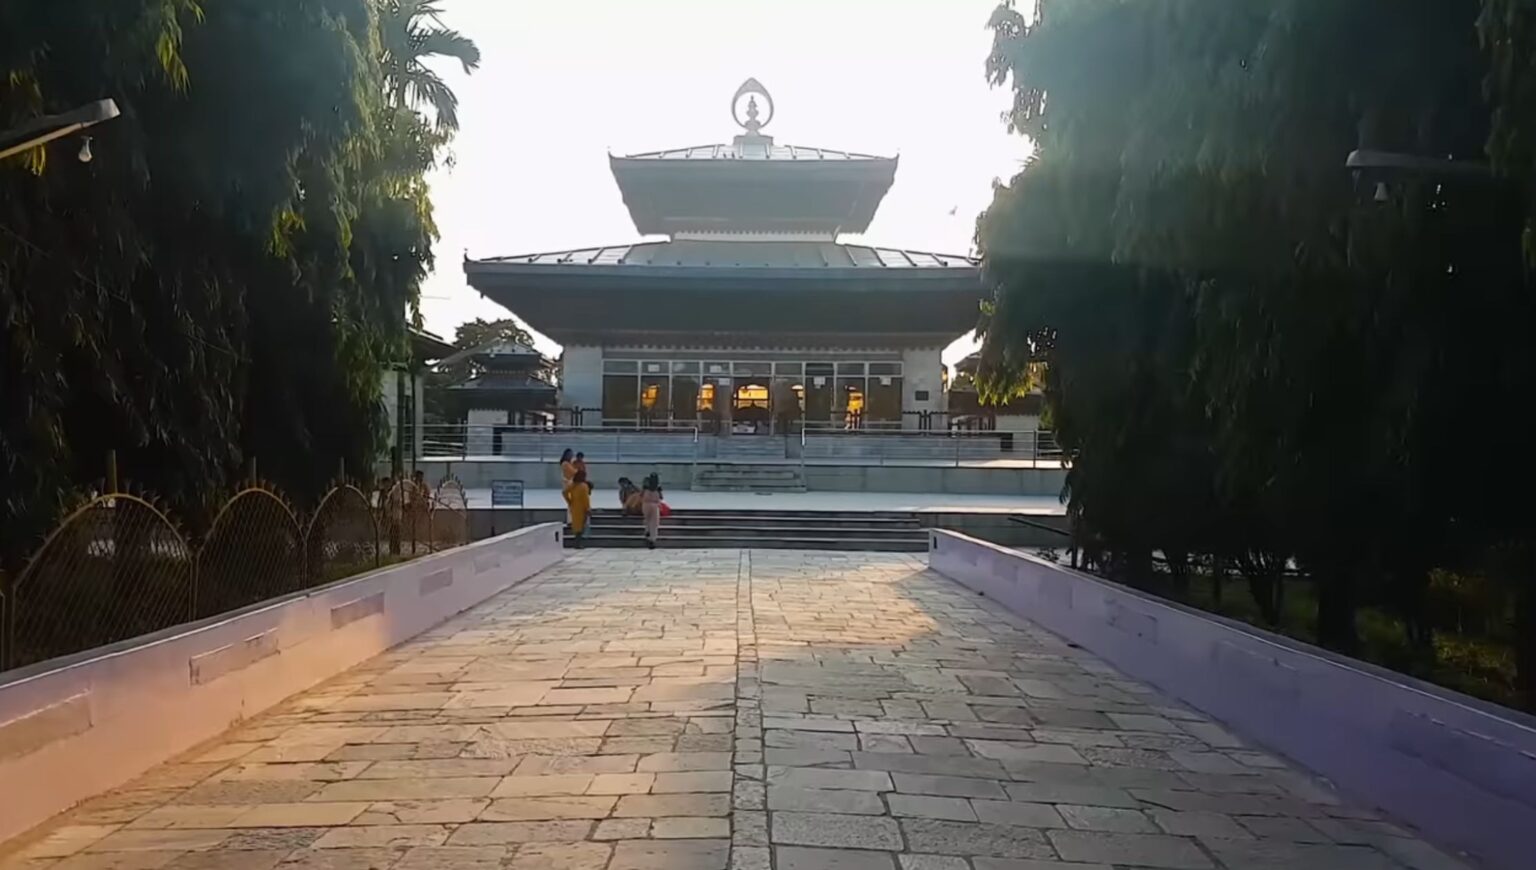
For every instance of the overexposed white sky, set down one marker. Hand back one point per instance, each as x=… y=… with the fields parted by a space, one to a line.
x=562 y=84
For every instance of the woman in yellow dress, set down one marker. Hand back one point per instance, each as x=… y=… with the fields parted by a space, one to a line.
x=578 y=499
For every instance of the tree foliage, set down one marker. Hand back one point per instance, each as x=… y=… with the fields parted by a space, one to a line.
x=478 y=333
x=226 y=278
x=411 y=32
x=1258 y=359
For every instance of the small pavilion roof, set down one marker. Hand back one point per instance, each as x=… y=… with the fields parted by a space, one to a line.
x=504 y=382
x=496 y=349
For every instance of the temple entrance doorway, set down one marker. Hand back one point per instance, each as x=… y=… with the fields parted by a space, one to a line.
x=750 y=412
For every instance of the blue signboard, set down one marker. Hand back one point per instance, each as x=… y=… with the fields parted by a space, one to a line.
x=506 y=493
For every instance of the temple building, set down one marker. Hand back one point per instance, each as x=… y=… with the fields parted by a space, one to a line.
x=402 y=397
x=748 y=315
x=506 y=385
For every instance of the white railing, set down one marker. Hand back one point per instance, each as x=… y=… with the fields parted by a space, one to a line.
x=1035 y=447
x=485 y=441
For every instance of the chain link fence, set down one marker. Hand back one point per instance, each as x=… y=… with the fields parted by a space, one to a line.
x=114 y=569
x=120 y=567
x=448 y=520
x=343 y=536
x=255 y=548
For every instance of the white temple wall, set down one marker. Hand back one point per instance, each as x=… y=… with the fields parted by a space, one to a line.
x=480 y=430
x=581 y=378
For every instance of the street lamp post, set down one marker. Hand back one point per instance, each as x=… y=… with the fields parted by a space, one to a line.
x=51 y=127
x=1393 y=163
x=1384 y=167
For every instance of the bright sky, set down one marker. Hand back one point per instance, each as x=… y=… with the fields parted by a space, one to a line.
x=563 y=83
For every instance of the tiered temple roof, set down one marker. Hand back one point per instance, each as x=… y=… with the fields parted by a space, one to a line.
x=752 y=250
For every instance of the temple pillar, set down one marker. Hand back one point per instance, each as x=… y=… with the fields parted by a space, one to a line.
x=922 y=384
x=581 y=381
x=418 y=413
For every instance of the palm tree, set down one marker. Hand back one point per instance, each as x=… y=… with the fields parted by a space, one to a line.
x=411 y=31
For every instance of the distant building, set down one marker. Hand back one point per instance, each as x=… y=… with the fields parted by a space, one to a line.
x=508 y=387
x=401 y=393
x=967 y=411
x=751 y=316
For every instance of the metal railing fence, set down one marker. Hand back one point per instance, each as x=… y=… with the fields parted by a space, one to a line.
x=635 y=443
x=944 y=447
x=604 y=444
x=120 y=567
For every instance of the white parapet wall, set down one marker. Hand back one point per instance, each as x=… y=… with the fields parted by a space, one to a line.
x=1462 y=771
x=74 y=728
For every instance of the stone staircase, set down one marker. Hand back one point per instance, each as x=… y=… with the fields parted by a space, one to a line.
x=887 y=531
x=748 y=478
x=750 y=448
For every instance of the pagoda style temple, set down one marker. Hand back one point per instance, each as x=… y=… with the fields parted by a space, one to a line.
x=507 y=385
x=750 y=315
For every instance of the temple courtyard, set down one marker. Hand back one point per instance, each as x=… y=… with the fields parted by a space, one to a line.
x=715 y=709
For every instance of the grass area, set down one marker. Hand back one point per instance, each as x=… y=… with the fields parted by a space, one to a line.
x=1478 y=666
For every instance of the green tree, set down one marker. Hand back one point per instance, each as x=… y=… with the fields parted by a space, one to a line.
x=411 y=31
x=1251 y=357
x=227 y=277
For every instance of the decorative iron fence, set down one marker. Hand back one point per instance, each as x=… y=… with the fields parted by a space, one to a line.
x=119 y=567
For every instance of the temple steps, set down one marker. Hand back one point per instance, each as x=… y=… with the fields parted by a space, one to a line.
x=749 y=478
x=795 y=530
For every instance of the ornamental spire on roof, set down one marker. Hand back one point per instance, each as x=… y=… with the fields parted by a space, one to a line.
x=752 y=187
x=750 y=89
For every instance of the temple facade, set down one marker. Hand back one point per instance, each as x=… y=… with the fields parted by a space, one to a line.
x=747 y=314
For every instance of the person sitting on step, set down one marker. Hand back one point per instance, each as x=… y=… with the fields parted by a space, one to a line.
x=629 y=497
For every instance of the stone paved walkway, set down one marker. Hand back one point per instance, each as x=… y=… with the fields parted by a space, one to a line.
x=699 y=710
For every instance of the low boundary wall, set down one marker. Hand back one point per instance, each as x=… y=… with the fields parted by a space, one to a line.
x=819 y=477
x=1460 y=770
x=73 y=728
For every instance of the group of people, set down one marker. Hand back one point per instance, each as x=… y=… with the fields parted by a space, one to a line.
x=643 y=501
x=414 y=490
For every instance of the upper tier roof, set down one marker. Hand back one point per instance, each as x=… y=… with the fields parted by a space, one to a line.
x=753 y=185
x=741 y=194
x=498 y=353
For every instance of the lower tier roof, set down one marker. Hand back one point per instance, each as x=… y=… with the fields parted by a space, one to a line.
x=869 y=296
x=767 y=254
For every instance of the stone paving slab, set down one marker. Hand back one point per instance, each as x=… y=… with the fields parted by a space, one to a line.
x=728 y=710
